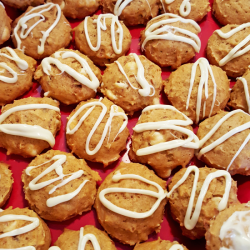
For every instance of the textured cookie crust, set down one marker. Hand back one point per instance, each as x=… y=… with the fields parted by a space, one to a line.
x=5 y=25
x=22 y=4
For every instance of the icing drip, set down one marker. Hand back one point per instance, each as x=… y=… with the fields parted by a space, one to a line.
x=168 y=124
x=176 y=247
x=205 y=69
x=57 y=167
x=93 y=83
x=101 y=25
x=244 y=82
x=11 y=71
x=85 y=238
x=224 y=137
x=236 y=230
x=2 y=5
x=30 y=15
x=140 y=78
x=185 y=7
x=189 y=221
x=113 y=112
x=162 y=30
x=237 y=50
x=30 y=131
x=53 y=248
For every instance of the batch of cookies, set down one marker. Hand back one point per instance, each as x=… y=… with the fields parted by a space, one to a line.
x=130 y=202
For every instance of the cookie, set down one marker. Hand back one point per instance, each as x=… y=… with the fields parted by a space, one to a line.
x=186 y=89
x=231 y=11
x=170 y=40
x=163 y=135
x=132 y=82
x=16 y=73
x=197 y=195
x=130 y=203
x=224 y=141
x=20 y=4
x=23 y=229
x=6 y=183
x=5 y=25
x=228 y=49
x=41 y=31
x=70 y=239
x=57 y=198
x=102 y=44
x=68 y=76
x=97 y=131
x=133 y=12
x=29 y=125
x=191 y=9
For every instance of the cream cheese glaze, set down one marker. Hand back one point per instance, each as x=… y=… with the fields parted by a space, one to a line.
x=185 y=7
x=244 y=82
x=176 y=247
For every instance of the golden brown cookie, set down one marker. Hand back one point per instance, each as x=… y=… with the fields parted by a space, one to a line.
x=224 y=49
x=231 y=11
x=37 y=236
x=68 y=76
x=5 y=27
x=6 y=183
x=193 y=9
x=208 y=186
x=102 y=135
x=142 y=89
x=69 y=239
x=227 y=147
x=29 y=125
x=170 y=40
x=121 y=226
x=59 y=197
x=133 y=12
x=108 y=45
x=180 y=82
x=22 y=4
x=16 y=73
x=50 y=31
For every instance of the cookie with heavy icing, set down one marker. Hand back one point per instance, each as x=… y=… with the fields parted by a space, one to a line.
x=68 y=76
x=29 y=125
x=41 y=31
x=186 y=89
x=21 y=4
x=196 y=195
x=16 y=74
x=97 y=131
x=131 y=216
x=5 y=25
x=103 y=38
x=170 y=40
x=132 y=82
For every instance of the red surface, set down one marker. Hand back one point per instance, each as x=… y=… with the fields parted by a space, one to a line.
x=170 y=229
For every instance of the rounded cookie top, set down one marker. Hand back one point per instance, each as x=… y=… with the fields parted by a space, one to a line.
x=191 y=9
x=102 y=46
x=45 y=29
x=224 y=141
x=131 y=216
x=29 y=125
x=59 y=186
x=170 y=40
x=185 y=89
x=5 y=27
x=36 y=233
x=68 y=76
x=133 y=12
x=197 y=195
x=231 y=11
x=16 y=73
x=162 y=134
x=97 y=131
x=20 y=4
x=132 y=82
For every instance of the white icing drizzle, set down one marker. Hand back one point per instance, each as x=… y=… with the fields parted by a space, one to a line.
x=224 y=137
x=11 y=71
x=113 y=112
x=30 y=15
x=30 y=131
x=2 y=4
x=140 y=78
x=57 y=167
x=85 y=238
x=155 y=31
x=244 y=81
x=101 y=25
x=93 y=83
x=176 y=247
x=168 y=124
x=54 y=248
x=189 y=221
x=236 y=230
x=237 y=50
x=185 y=7
x=205 y=69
